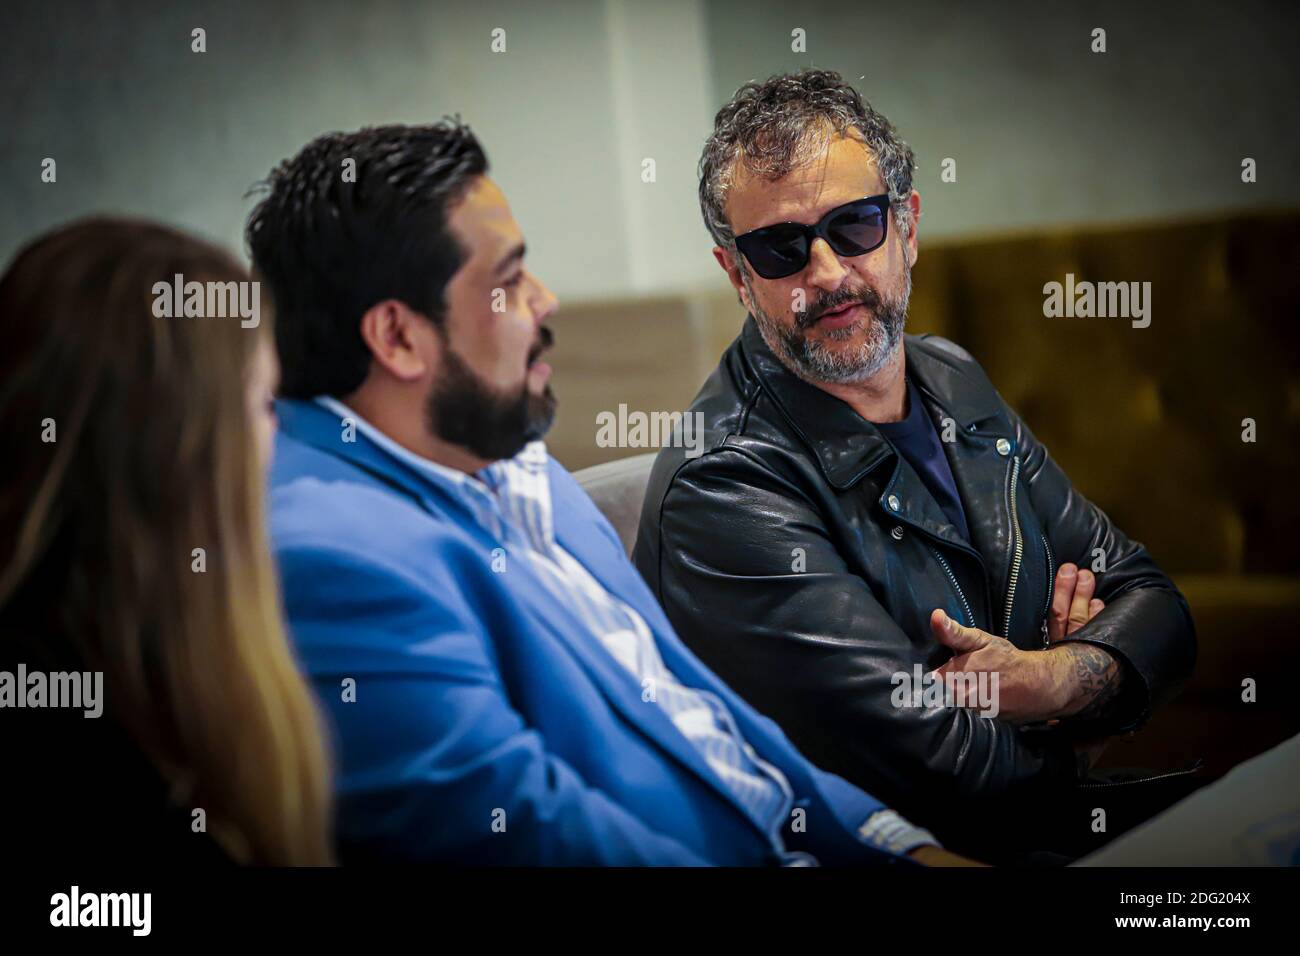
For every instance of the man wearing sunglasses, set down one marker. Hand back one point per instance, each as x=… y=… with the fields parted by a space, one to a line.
x=868 y=509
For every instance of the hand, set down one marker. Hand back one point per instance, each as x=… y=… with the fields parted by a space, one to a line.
x=937 y=856
x=1073 y=604
x=1093 y=673
x=1027 y=686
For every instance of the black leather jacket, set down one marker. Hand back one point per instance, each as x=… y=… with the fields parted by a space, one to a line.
x=800 y=557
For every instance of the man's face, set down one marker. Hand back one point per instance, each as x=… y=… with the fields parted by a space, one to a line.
x=491 y=393
x=853 y=307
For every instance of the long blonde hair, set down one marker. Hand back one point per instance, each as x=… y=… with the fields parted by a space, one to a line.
x=153 y=459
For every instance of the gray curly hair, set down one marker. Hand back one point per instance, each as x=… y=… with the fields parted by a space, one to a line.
x=787 y=120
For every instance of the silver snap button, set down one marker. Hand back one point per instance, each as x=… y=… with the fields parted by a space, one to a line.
x=897 y=533
x=1004 y=447
x=892 y=500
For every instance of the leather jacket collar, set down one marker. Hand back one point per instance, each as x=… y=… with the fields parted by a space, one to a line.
x=847 y=446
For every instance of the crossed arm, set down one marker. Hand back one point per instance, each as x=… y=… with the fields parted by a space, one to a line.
x=1067 y=680
x=1103 y=666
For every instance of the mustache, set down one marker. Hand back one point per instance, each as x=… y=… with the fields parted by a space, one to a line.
x=867 y=297
x=545 y=339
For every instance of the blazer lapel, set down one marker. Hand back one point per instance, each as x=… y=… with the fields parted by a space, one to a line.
x=619 y=686
x=622 y=579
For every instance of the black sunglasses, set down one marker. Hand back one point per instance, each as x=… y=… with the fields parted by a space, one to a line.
x=853 y=229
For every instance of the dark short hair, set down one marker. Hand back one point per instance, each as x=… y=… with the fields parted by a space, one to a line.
x=773 y=126
x=329 y=246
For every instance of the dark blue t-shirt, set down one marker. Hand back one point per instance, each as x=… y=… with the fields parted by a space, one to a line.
x=917 y=440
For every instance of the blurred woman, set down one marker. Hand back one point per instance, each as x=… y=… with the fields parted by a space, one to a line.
x=132 y=544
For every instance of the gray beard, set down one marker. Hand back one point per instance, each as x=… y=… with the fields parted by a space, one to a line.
x=814 y=362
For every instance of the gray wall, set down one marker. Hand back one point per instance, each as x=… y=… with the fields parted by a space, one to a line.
x=584 y=91
x=1043 y=131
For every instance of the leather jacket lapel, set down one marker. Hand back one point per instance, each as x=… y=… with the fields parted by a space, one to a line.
x=846 y=445
x=981 y=456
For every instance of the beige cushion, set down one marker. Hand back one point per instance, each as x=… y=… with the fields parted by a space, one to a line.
x=618 y=488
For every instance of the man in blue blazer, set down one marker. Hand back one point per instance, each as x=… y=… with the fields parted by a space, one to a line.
x=501 y=684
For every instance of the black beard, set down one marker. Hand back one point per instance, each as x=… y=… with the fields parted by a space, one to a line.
x=493 y=425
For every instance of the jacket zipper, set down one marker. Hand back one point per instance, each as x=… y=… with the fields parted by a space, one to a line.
x=1125 y=783
x=1051 y=584
x=1019 y=547
x=970 y=617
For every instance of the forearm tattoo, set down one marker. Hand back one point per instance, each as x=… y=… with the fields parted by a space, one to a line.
x=1098 y=675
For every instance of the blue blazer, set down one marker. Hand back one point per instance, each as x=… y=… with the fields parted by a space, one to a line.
x=486 y=727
